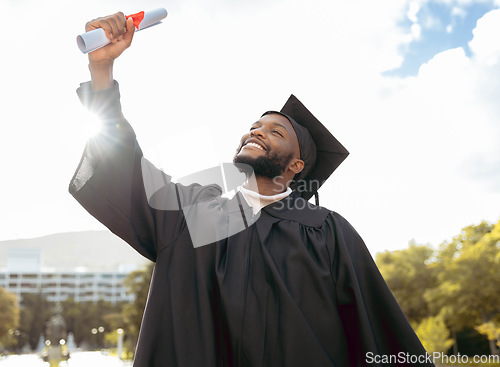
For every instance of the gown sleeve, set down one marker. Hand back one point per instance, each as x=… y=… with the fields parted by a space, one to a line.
x=376 y=328
x=121 y=189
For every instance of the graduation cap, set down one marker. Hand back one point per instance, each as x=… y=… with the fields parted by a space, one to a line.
x=321 y=152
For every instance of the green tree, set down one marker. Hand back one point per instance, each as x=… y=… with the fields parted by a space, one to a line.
x=137 y=284
x=74 y=315
x=434 y=334
x=409 y=275
x=89 y=321
x=492 y=332
x=467 y=294
x=9 y=314
x=116 y=321
x=35 y=312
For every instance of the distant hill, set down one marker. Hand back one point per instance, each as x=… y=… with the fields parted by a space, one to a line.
x=96 y=250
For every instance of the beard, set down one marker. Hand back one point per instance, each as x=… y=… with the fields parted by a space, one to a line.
x=269 y=165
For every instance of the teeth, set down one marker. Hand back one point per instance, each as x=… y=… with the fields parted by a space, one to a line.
x=255 y=145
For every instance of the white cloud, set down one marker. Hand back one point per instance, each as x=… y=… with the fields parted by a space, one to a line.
x=416 y=31
x=443 y=126
x=485 y=43
x=434 y=143
x=430 y=21
x=458 y=12
x=462 y=3
x=413 y=9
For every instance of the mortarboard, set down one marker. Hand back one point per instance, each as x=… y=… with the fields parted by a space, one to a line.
x=321 y=152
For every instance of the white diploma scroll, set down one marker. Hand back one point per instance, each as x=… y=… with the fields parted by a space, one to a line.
x=92 y=40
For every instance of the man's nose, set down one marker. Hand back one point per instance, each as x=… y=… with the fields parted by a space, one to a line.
x=259 y=131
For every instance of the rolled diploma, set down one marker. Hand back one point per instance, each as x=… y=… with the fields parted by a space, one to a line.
x=92 y=40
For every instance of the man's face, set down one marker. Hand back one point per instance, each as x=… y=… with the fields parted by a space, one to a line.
x=269 y=146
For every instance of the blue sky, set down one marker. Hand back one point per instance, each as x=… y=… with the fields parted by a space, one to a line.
x=443 y=26
x=415 y=104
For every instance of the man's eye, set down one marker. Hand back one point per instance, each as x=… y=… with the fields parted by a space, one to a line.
x=278 y=132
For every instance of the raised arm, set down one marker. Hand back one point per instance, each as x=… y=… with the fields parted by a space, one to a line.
x=121 y=32
x=113 y=181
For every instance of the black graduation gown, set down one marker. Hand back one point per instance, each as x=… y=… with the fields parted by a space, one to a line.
x=296 y=287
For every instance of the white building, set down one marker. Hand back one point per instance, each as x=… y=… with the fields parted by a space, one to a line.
x=24 y=274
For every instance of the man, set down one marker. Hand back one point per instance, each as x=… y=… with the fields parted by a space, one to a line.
x=262 y=279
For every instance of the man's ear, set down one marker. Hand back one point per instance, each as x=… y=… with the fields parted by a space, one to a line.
x=296 y=166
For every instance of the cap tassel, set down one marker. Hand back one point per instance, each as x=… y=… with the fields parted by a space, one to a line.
x=316 y=198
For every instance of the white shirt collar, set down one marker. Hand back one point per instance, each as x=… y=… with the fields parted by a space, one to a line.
x=258 y=201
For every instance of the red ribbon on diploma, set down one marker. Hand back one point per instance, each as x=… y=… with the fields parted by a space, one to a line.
x=137 y=18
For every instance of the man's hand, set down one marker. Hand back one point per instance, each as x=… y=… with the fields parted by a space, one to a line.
x=120 y=32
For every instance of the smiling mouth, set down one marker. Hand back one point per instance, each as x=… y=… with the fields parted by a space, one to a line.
x=255 y=145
